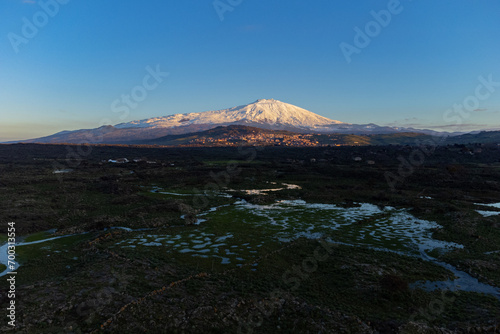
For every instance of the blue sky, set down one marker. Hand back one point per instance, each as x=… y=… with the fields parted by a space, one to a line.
x=84 y=55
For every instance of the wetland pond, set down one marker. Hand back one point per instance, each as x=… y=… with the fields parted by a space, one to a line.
x=239 y=233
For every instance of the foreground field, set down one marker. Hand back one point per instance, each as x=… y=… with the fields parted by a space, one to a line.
x=263 y=240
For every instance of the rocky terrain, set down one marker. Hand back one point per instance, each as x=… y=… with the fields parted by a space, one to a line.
x=252 y=240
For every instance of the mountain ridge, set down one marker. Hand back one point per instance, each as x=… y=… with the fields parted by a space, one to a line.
x=263 y=113
x=237 y=135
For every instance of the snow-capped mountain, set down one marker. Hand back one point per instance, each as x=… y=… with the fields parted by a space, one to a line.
x=273 y=113
x=265 y=114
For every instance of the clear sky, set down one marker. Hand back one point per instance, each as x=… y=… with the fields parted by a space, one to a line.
x=65 y=64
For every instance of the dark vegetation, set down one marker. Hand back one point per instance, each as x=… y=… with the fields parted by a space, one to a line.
x=85 y=283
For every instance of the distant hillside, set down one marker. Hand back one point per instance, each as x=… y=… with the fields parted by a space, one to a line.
x=484 y=137
x=231 y=133
x=234 y=135
x=240 y=134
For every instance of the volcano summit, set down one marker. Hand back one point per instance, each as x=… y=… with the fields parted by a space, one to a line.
x=271 y=113
x=267 y=114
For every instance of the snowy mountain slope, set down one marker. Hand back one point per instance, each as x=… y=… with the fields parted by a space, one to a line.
x=265 y=114
x=270 y=112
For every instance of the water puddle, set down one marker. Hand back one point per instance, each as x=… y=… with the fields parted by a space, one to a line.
x=365 y=224
x=159 y=190
x=283 y=221
x=248 y=228
x=462 y=281
x=196 y=243
x=4 y=250
x=287 y=186
x=488 y=213
x=20 y=243
x=62 y=171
